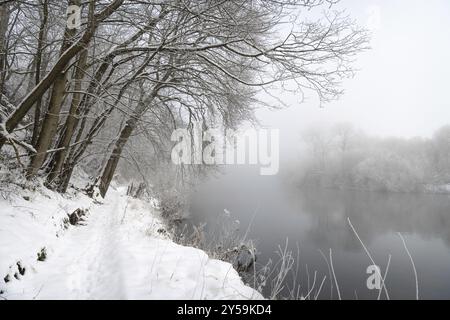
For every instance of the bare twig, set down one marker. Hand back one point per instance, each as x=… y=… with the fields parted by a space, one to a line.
x=413 y=265
x=334 y=275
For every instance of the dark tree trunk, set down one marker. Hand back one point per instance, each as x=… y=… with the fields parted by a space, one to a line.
x=130 y=125
x=42 y=38
x=4 y=19
x=111 y=165
x=71 y=120
x=55 y=73
x=49 y=125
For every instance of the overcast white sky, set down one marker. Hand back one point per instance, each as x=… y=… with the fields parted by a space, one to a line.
x=403 y=84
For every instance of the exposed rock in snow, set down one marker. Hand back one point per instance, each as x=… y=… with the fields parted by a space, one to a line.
x=118 y=254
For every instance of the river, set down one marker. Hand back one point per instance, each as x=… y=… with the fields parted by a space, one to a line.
x=315 y=220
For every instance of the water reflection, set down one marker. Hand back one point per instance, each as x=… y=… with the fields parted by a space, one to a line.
x=375 y=214
x=317 y=220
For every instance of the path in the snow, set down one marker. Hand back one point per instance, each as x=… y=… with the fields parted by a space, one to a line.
x=96 y=268
x=119 y=254
x=86 y=262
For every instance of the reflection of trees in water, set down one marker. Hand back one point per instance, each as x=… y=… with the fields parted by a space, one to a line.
x=373 y=214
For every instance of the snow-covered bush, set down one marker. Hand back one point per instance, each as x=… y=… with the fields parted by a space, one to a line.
x=386 y=172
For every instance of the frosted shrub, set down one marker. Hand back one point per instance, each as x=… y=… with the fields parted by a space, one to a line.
x=386 y=172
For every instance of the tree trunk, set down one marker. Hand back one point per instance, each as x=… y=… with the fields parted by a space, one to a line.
x=71 y=120
x=82 y=107
x=51 y=120
x=111 y=165
x=130 y=125
x=49 y=125
x=55 y=73
x=98 y=123
x=42 y=38
x=4 y=19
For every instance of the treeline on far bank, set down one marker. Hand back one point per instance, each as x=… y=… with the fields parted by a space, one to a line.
x=341 y=156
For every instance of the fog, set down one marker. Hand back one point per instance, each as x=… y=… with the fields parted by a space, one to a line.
x=400 y=88
x=395 y=104
x=122 y=132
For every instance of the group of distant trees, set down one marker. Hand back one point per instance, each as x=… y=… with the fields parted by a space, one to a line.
x=344 y=157
x=116 y=86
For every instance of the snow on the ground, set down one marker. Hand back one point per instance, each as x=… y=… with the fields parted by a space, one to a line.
x=122 y=252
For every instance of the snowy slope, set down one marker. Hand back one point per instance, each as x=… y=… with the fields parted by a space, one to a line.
x=123 y=252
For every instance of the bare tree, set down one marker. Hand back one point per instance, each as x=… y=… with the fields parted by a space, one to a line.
x=55 y=75
x=4 y=19
x=38 y=64
x=165 y=63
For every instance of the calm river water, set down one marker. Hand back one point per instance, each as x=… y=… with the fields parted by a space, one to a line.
x=317 y=220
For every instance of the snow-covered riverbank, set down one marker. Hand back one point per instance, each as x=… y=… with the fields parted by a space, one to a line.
x=121 y=251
